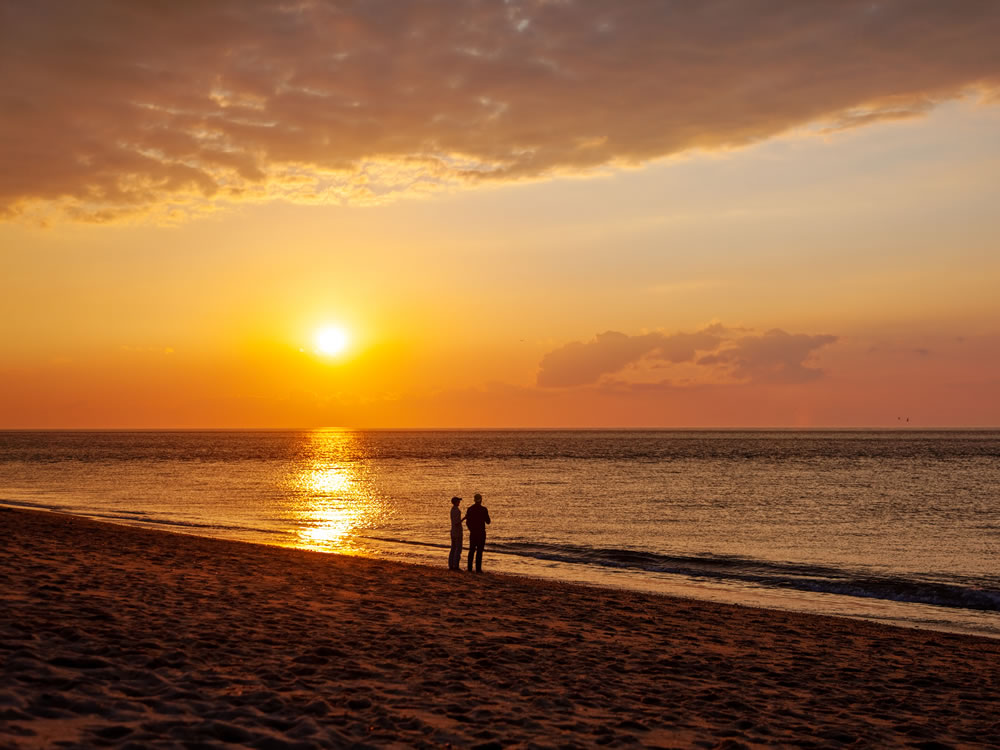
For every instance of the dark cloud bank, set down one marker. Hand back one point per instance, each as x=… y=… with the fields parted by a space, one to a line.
x=118 y=106
x=771 y=357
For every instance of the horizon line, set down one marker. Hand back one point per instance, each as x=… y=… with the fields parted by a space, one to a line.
x=731 y=428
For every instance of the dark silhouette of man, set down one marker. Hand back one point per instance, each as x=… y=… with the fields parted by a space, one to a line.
x=476 y=519
x=455 y=556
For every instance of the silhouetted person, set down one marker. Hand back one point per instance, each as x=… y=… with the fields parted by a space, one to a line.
x=476 y=519
x=455 y=557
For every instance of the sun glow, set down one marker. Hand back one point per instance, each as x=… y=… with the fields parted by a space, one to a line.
x=331 y=341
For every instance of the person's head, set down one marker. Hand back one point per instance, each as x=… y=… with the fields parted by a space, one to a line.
x=478 y=498
x=455 y=501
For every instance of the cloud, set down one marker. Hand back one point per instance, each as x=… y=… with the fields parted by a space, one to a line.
x=113 y=107
x=771 y=357
x=579 y=363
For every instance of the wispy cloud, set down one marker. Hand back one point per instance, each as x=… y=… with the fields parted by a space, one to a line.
x=113 y=107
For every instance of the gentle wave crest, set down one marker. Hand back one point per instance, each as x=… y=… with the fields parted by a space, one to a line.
x=728 y=569
x=141 y=518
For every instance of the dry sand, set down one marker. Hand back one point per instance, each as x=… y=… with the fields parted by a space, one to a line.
x=122 y=637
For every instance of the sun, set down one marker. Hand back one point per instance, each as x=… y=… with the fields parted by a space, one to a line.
x=331 y=340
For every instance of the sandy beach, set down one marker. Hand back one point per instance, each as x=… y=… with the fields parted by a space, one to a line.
x=123 y=637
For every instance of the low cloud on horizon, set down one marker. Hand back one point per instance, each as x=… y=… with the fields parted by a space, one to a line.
x=728 y=354
x=119 y=108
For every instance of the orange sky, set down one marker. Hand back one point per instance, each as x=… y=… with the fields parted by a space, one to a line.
x=522 y=214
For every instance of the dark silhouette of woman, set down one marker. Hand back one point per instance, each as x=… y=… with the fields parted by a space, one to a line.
x=455 y=557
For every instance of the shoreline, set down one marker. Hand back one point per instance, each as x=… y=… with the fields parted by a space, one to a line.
x=915 y=613
x=114 y=634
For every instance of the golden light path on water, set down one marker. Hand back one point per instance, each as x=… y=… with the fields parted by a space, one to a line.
x=331 y=495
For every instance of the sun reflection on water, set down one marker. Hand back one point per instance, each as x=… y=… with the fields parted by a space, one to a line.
x=333 y=495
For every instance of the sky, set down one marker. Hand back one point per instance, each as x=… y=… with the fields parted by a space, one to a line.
x=547 y=213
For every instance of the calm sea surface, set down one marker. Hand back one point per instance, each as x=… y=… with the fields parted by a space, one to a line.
x=901 y=527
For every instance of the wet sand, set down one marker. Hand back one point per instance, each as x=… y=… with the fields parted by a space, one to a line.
x=121 y=637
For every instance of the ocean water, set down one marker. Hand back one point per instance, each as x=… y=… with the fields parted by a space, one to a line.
x=901 y=527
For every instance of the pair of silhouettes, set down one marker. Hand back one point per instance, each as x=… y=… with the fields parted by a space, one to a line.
x=476 y=519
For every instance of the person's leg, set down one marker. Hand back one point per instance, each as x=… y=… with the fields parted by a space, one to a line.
x=476 y=552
